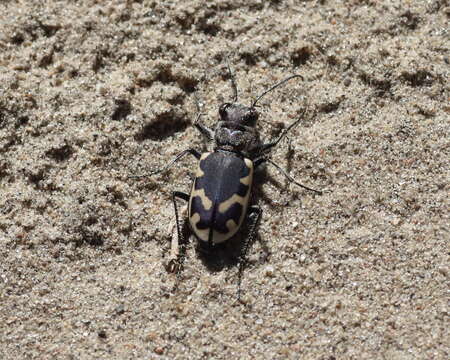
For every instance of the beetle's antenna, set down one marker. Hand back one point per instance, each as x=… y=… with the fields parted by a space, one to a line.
x=233 y=82
x=274 y=87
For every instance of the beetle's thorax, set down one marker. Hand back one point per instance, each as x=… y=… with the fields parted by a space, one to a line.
x=236 y=129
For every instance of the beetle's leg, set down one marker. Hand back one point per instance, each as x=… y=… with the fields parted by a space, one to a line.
x=204 y=130
x=233 y=82
x=289 y=177
x=178 y=243
x=254 y=215
x=178 y=157
x=264 y=148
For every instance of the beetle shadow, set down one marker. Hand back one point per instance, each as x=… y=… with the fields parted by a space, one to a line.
x=220 y=256
x=229 y=254
x=259 y=194
x=214 y=258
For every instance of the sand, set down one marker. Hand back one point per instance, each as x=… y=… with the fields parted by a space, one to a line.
x=92 y=92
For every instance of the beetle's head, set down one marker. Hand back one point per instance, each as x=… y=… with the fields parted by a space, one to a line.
x=236 y=128
x=237 y=115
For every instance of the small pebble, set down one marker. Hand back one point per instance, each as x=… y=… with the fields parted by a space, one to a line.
x=269 y=271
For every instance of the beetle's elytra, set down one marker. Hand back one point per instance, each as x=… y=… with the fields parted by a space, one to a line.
x=219 y=202
x=220 y=194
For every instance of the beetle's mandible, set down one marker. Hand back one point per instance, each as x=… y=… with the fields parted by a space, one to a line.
x=219 y=201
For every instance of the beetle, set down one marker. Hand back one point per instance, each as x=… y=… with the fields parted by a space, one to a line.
x=219 y=200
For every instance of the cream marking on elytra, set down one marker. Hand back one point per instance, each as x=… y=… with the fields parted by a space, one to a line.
x=231 y=226
x=225 y=205
x=246 y=180
x=207 y=203
x=199 y=172
x=243 y=200
x=202 y=234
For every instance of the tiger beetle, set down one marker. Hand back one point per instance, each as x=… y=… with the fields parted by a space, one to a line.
x=219 y=201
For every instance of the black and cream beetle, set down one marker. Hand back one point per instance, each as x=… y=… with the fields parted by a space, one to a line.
x=218 y=203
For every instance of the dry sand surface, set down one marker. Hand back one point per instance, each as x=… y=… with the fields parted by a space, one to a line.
x=94 y=91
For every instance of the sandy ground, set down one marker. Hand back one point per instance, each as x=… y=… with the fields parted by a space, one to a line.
x=94 y=91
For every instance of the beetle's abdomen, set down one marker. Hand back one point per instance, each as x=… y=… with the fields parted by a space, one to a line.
x=220 y=195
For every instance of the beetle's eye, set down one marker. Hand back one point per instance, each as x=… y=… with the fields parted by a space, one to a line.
x=251 y=118
x=223 y=109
